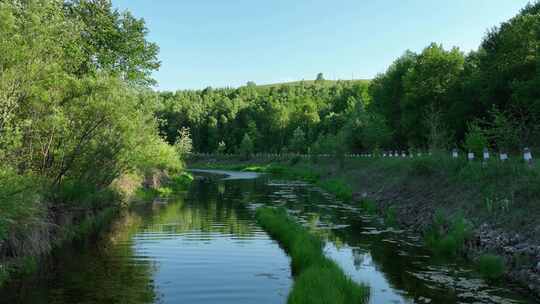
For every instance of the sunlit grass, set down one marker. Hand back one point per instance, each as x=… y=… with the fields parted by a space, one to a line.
x=317 y=278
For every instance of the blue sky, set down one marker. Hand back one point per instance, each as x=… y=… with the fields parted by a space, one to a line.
x=222 y=43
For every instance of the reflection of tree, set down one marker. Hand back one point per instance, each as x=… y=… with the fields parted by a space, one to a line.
x=106 y=271
x=208 y=208
x=359 y=257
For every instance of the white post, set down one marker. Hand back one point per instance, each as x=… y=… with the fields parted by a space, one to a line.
x=486 y=154
x=527 y=156
x=503 y=156
x=470 y=156
x=455 y=153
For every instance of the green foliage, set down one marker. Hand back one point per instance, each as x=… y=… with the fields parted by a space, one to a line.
x=475 y=140
x=19 y=197
x=313 y=270
x=183 y=143
x=113 y=41
x=491 y=267
x=368 y=206
x=75 y=113
x=447 y=237
x=293 y=173
x=181 y=181
x=298 y=141
x=4 y=274
x=246 y=147
x=390 y=216
x=222 y=148
x=337 y=187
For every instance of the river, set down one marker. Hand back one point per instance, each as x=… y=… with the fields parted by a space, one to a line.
x=204 y=246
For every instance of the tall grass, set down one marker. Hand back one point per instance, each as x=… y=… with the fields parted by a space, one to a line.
x=446 y=237
x=337 y=187
x=317 y=278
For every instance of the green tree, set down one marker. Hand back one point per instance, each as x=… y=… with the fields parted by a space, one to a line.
x=298 y=141
x=426 y=87
x=114 y=41
x=246 y=147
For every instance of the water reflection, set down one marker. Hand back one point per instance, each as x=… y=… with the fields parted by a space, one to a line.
x=203 y=247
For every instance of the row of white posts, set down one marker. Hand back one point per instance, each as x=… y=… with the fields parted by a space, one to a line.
x=486 y=156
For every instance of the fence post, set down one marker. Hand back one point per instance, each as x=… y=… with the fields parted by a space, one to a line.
x=455 y=153
x=527 y=156
x=470 y=156
x=503 y=156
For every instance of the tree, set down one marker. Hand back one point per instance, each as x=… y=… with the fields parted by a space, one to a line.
x=298 y=141
x=246 y=147
x=114 y=42
x=184 y=144
x=320 y=77
x=388 y=93
x=426 y=86
x=222 y=148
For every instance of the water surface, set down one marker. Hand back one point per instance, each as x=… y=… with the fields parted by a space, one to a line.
x=205 y=247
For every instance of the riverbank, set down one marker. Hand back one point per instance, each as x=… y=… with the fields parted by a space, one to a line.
x=498 y=203
x=84 y=213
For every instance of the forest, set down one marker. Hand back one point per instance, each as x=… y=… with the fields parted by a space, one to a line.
x=440 y=98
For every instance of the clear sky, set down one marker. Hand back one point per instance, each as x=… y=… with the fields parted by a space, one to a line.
x=222 y=43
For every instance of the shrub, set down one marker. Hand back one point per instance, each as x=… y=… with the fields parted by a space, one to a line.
x=475 y=140
x=368 y=206
x=181 y=181
x=447 y=237
x=337 y=187
x=491 y=267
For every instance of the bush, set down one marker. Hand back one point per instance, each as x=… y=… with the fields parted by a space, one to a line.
x=368 y=206
x=181 y=181
x=491 y=267
x=447 y=237
x=337 y=187
x=475 y=140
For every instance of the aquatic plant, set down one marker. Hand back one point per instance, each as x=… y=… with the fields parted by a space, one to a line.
x=337 y=187
x=317 y=278
x=491 y=267
x=368 y=206
x=447 y=237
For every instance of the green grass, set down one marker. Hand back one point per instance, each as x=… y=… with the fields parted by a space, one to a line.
x=317 y=278
x=447 y=237
x=338 y=187
x=368 y=206
x=4 y=275
x=491 y=267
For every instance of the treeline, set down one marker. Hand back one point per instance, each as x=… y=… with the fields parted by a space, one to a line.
x=262 y=118
x=75 y=114
x=437 y=99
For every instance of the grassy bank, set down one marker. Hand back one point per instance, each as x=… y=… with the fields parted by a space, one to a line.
x=317 y=278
